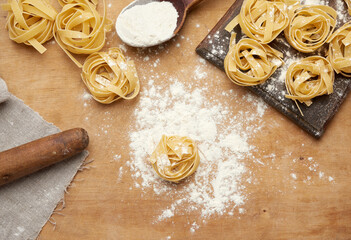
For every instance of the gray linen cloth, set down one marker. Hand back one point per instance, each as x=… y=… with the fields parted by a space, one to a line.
x=27 y=204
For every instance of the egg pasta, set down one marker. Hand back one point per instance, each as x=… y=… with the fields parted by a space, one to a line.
x=263 y=20
x=80 y=29
x=339 y=52
x=30 y=22
x=109 y=77
x=249 y=62
x=308 y=78
x=310 y=26
x=175 y=158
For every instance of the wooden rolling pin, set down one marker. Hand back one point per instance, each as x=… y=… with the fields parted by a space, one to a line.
x=31 y=157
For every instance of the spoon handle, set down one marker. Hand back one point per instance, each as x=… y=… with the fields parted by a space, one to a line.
x=189 y=3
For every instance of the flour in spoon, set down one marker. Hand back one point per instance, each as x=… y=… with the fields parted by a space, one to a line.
x=147 y=25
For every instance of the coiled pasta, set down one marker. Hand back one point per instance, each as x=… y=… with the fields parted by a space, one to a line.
x=310 y=27
x=80 y=29
x=308 y=78
x=175 y=158
x=30 y=22
x=250 y=63
x=339 y=52
x=263 y=20
x=109 y=77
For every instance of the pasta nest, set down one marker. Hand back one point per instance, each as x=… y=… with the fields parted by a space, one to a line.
x=30 y=22
x=339 y=53
x=251 y=63
x=175 y=158
x=308 y=78
x=80 y=29
x=310 y=27
x=263 y=20
x=109 y=77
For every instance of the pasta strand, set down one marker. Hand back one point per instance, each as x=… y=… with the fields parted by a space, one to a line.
x=348 y=3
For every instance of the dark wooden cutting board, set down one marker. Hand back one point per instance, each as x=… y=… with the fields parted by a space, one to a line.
x=215 y=46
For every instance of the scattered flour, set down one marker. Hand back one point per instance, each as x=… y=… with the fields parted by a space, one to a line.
x=194 y=227
x=200 y=73
x=166 y=214
x=116 y=157
x=86 y=96
x=223 y=139
x=312 y=165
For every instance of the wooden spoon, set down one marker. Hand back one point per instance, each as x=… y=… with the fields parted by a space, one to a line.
x=182 y=7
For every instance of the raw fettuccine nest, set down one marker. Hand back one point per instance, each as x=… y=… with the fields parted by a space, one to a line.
x=79 y=28
x=249 y=62
x=30 y=22
x=263 y=20
x=339 y=53
x=109 y=77
x=175 y=158
x=308 y=78
x=310 y=27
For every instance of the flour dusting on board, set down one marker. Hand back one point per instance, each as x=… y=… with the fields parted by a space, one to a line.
x=223 y=139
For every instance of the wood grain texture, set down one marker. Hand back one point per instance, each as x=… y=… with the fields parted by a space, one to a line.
x=100 y=207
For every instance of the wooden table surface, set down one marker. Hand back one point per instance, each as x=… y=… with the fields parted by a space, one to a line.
x=98 y=207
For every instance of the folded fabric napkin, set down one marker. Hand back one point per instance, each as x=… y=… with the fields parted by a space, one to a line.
x=27 y=204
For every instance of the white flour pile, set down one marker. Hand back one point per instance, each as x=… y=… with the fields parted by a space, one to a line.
x=147 y=25
x=223 y=139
